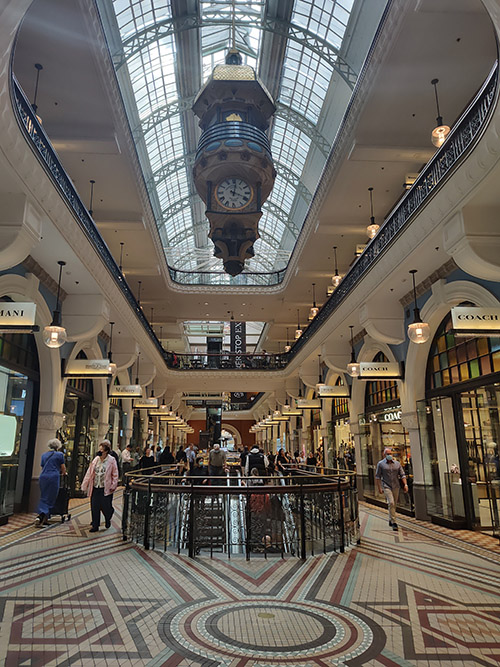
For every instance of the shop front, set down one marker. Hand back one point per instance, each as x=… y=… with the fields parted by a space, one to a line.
x=460 y=430
x=380 y=427
x=342 y=454
x=79 y=431
x=19 y=391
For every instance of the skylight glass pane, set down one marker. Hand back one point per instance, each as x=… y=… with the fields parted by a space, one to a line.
x=325 y=18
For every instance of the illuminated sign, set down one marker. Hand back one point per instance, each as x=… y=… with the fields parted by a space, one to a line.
x=308 y=404
x=327 y=391
x=17 y=316
x=82 y=368
x=469 y=320
x=146 y=403
x=125 y=391
x=380 y=369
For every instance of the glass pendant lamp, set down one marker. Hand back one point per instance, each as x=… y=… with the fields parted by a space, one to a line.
x=55 y=335
x=418 y=332
x=353 y=367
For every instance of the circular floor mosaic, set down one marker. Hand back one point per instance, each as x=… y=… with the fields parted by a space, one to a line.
x=271 y=631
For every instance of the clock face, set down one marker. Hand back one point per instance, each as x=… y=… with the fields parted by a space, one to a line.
x=233 y=194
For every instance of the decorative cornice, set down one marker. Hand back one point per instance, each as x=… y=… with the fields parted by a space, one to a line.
x=423 y=287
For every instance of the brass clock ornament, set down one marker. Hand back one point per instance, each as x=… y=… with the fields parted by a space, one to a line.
x=233 y=170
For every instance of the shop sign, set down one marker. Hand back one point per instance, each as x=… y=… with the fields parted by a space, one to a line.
x=125 y=391
x=308 y=404
x=328 y=391
x=379 y=369
x=469 y=320
x=393 y=416
x=17 y=315
x=146 y=403
x=82 y=368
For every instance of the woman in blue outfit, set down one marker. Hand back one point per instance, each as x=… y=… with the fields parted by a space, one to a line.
x=52 y=469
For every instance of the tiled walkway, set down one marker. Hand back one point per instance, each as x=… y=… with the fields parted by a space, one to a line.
x=421 y=596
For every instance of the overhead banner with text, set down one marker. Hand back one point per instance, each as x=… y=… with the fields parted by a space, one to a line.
x=472 y=321
x=238 y=336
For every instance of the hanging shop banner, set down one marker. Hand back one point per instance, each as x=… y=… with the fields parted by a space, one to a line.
x=472 y=321
x=17 y=314
x=328 y=391
x=125 y=391
x=84 y=368
x=238 y=342
x=385 y=370
x=308 y=403
x=146 y=403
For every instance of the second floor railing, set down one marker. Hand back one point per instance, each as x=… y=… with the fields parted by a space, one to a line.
x=225 y=361
x=463 y=137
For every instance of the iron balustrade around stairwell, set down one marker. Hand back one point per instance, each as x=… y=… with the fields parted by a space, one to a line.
x=244 y=279
x=303 y=513
x=462 y=138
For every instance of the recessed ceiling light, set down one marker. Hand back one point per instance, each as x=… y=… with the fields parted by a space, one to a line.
x=206 y=303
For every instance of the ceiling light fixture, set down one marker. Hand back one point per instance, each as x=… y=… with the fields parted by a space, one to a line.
x=298 y=330
x=314 y=309
x=336 y=279
x=440 y=132
x=353 y=368
x=112 y=366
x=418 y=332
x=55 y=335
x=34 y=106
x=288 y=347
x=372 y=228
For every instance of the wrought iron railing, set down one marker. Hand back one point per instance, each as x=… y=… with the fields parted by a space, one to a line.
x=460 y=141
x=225 y=361
x=220 y=278
x=298 y=515
x=48 y=157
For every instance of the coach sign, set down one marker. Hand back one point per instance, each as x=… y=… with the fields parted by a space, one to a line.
x=383 y=370
x=470 y=321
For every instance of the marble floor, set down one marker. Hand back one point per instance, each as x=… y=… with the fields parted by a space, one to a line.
x=420 y=596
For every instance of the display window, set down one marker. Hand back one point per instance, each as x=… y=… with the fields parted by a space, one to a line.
x=19 y=382
x=460 y=430
x=343 y=455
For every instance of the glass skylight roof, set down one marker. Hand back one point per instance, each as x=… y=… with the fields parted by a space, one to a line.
x=164 y=80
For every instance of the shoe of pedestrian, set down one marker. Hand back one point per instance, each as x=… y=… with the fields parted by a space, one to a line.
x=394 y=526
x=390 y=523
x=40 y=520
x=108 y=524
x=94 y=530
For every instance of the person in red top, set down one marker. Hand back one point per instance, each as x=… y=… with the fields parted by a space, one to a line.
x=100 y=483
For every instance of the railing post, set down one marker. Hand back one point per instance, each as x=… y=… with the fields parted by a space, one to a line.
x=125 y=510
x=302 y=524
x=191 y=524
x=247 y=526
x=342 y=527
x=147 y=514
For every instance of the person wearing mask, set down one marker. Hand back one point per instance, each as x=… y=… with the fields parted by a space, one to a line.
x=256 y=459
x=147 y=460
x=100 y=482
x=390 y=477
x=197 y=473
x=216 y=461
x=52 y=468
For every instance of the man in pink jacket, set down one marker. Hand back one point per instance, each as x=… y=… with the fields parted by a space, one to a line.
x=100 y=483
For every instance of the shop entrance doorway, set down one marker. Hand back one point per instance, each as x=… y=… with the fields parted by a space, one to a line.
x=480 y=431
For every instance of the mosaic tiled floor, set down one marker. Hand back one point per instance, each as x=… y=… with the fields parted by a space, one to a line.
x=416 y=597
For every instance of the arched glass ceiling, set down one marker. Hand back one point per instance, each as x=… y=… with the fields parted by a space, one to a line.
x=168 y=48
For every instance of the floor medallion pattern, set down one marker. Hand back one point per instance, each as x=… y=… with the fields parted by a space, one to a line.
x=413 y=597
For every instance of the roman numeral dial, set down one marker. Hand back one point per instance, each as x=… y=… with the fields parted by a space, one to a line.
x=233 y=194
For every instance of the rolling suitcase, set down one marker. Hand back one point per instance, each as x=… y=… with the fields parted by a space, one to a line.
x=62 y=500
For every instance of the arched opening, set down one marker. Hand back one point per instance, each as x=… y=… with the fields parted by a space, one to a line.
x=459 y=425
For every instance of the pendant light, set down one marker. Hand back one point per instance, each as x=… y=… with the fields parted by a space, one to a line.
x=418 y=332
x=121 y=256
x=288 y=347
x=34 y=106
x=314 y=309
x=112 y=365
x=298 y=330
x=440 y=132
x=55 y=335
x=372 y=228
x=92 y=183
x=353 y=368
x=336 y=279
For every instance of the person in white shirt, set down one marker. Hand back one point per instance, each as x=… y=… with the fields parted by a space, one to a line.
x=127 y=461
